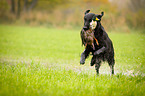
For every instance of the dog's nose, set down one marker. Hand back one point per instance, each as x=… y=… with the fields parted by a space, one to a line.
x=85 y=28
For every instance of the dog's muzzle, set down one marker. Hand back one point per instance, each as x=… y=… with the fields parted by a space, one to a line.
x=85 y=28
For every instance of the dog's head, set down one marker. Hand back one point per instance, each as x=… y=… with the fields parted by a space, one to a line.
x=91 y=19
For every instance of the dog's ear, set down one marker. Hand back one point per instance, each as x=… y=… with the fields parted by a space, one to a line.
x=87 y=11
x=102 y=13
x=100 y=16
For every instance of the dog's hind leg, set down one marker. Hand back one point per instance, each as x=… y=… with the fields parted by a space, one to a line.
x=97 y=66
x=112 y=69
x=111 y=64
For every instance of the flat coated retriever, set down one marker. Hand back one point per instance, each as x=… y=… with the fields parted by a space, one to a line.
x=104 y=50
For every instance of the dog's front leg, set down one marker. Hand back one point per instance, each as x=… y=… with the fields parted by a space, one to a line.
x=85 y=54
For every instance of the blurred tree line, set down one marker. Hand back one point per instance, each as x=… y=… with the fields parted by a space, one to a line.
x=119 y=14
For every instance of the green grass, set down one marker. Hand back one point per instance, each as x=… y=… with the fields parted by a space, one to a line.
x=45 y=62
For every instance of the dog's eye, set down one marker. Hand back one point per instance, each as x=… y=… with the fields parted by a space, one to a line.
x=85 y=19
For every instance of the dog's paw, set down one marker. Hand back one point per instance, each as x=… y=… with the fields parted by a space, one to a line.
x=91 y=64
x=92 y=61
x=82 y=61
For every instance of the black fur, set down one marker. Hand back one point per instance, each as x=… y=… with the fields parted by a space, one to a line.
x=104 y=51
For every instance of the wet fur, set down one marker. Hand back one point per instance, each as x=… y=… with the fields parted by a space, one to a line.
x=104 y=51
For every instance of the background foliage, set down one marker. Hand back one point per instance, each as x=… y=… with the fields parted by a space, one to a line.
x=119 y=14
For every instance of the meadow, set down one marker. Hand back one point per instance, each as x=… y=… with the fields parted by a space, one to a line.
x=39 y=61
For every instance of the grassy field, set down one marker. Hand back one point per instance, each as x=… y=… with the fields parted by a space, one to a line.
x=45 y=62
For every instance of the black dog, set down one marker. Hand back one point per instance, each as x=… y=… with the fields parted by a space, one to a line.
x=104 y=51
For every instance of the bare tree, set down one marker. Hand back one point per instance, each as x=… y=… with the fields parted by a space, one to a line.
x=19 y=9
x=29 y=5
x=136 y=5
x=136 y=16
x=32 y=4
x=25 y=5
x=16 y=6
x=13 y=6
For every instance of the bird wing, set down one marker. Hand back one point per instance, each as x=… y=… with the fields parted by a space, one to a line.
x=82 y=37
